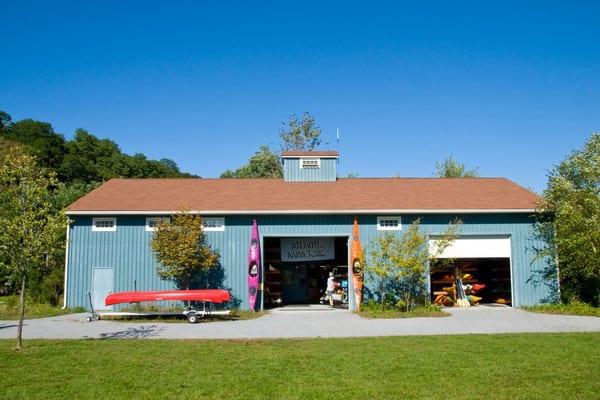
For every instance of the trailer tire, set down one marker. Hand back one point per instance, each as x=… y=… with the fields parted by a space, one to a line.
x=192 y=318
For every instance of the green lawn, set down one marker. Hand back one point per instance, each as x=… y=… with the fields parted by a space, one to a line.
x=418 y=312
x=469 y=367
x=574 y=308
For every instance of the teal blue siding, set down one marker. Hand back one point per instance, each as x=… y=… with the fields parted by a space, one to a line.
x=128 y=251
x=523 y=261
x=293 y=173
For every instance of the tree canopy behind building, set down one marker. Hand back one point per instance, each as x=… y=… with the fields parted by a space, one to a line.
x=450 y=168
x=263 y=164
x=85 y=158
x=299 y=135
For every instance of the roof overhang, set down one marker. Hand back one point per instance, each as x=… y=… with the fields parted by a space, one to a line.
x=310 y=156
x=307 y=212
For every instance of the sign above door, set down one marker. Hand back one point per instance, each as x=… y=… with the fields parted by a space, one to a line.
x=307 y=249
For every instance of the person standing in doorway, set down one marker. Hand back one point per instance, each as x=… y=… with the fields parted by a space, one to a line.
x=330 y=288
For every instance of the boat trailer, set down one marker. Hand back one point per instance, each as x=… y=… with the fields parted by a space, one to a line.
x=192 y=314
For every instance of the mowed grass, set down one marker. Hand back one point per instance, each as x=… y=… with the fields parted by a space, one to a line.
x=574 y=308
x=523 y=366
x=419 y=312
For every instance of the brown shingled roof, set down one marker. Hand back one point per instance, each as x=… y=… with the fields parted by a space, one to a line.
x=310 y=154
x=343 y=195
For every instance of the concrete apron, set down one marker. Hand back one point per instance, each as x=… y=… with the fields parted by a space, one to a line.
x=306 y=308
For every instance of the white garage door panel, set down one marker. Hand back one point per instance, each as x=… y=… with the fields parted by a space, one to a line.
x=475 y=247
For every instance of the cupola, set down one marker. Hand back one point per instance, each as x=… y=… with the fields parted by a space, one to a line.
x=309 y=166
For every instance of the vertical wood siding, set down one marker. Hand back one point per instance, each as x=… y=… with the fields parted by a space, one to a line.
x=128 y=251
x=293 y=173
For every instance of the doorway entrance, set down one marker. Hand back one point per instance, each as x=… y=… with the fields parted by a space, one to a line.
x=102 y=287
x=296 y=270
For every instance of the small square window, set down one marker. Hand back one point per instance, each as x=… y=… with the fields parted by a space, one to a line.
x=104 y=224
x=389 y=224
x=310 y=163
x=213 y=224
x=151 y=223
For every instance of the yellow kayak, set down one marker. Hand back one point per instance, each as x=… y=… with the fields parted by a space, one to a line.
x=473 y=299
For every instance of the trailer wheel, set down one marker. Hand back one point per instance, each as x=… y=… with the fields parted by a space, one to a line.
x=88 y=319
x=192 y=318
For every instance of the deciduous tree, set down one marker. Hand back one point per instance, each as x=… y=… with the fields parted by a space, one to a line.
x=5 y=122
x=263 y=164
x=30 y=225
x=300 y=135
x=399 y=264
x=40 y=140
x=181 y=249
x=572 y=198
x=450 y=168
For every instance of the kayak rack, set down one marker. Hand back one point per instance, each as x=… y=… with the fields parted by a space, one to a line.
x=192 y=315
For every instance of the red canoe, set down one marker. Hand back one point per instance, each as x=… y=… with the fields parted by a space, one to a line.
x=212 y=295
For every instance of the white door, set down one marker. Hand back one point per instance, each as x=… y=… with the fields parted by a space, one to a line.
x=102 y=287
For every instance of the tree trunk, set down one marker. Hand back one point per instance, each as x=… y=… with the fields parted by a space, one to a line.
x=21 y=315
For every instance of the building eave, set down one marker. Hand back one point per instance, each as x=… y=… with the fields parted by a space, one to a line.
x=307 y=212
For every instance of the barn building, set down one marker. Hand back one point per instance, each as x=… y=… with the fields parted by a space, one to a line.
x=310 y=208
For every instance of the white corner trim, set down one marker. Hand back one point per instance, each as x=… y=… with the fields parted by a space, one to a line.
x=309 y=212
x=66 y=267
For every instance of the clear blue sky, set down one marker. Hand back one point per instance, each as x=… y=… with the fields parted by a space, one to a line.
x=510 y=87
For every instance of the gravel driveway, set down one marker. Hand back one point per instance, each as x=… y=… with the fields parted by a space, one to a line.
x=291 y=324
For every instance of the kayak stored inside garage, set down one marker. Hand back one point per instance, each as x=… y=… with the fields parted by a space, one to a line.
x=481 y=264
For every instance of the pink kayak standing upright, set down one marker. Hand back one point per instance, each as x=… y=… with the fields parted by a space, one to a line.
x=253 y=265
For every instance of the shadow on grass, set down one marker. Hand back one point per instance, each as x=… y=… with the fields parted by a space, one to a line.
x=133 y=333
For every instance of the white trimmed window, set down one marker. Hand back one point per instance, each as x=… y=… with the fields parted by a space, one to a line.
x=104 y=224
x=389 y=224
x=213 y=224
x=152 y=222
x=310 y=163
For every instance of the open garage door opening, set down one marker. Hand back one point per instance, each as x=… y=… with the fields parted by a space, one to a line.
x=296 y=270
x=487 y=280
x=477 y=268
